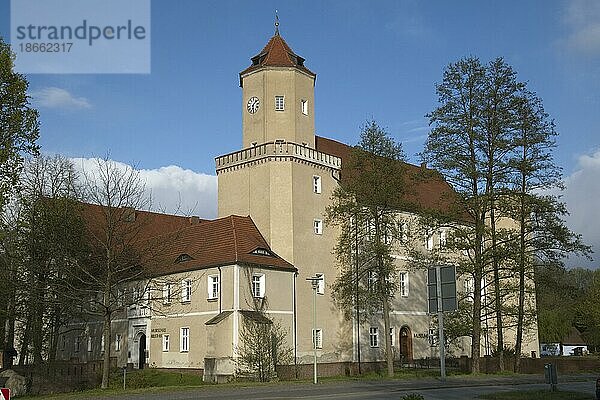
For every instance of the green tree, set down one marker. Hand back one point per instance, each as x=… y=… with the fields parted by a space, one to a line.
x=453 y=148
x=499 y=91
x=542 y=236
x=365 y=207
x=19 y=126
x=19 y=130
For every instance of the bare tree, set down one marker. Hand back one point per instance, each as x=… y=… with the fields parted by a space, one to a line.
x=117 y=246
x=263 y=342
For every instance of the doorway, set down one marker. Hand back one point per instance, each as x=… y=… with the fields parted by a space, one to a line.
x=142 y=352
x=406 y=349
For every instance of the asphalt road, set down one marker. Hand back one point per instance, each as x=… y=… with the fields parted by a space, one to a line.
x=373 y=390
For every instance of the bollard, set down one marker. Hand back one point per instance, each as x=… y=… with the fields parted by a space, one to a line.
x=551 y=376
x=124 y=376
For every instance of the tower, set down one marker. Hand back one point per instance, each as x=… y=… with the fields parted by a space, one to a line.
x=280 y=180
x=278 y=97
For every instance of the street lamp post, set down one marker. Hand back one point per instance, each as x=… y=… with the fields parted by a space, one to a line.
x=315 y=285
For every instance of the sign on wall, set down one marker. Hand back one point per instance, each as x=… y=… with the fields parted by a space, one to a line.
x=4 y=394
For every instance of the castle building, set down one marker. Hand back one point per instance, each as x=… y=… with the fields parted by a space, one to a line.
x=269 y=238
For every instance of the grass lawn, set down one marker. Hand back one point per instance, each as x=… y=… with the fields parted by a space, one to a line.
x=538 y=395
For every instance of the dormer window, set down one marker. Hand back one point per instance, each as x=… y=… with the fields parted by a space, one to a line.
x=182 y=258
x=262 y=252
x=279 y=103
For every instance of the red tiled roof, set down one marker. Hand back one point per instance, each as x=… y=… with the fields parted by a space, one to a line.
x=276 y=53
x=146 y=224
x=222 y=241
x=163 y=238
x=428 y=189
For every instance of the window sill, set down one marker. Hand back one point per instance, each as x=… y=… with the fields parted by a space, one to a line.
x=186 y=301
x=212 y=299
x=184 y=351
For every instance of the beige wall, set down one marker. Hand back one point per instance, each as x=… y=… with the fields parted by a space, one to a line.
x=268 y=125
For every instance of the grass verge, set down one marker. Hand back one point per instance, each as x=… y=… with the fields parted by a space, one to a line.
x=538 y=395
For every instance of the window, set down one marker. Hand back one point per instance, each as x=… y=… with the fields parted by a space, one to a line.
x=258 y=285
x=371 y=280
x=317 y=184
x=404 y=284
x=432 y=338
x=374 y=336
x=392 y=341
x=63 y=344
x=77 y=344
x=167 y=293
x=443 y=238
x=387 y=235
x=186 y=290
x=321 y=284
x=304 y=104
x=120 y=297
x=279 y=103
x=318 y=226
x=102 y=343
x=89 y=343
x=469 y=288
x=184 y=340
x=403 y=231
x=213 y=286
x=165 y=342
x=429 y=241
x=118 y=342
x=317 y=337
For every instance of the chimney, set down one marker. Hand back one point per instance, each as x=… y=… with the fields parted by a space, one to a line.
x=194 y=220
x=423 y=165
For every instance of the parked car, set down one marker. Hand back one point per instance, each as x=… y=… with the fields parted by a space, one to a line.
x=598 y=388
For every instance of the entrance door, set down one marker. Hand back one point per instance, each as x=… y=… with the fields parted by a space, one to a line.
x=406 y=343
x=142 y=352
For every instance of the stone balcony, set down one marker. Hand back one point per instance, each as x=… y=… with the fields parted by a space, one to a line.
x=277 y=149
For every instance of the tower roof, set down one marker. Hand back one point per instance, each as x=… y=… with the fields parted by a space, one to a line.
x=276 y=53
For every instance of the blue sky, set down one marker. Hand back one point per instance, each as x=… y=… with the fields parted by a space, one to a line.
x=373 y=59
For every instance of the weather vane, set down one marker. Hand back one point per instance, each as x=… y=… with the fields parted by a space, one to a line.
x=276 y=23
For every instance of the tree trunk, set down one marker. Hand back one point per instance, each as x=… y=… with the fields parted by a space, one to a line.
x=106 y=361
x=522 y=262
x=54 y=335
x=497 y=294
x=37 y=331
x=25 y=341
x=478 y=276
x=9 y=331
x=389 y=356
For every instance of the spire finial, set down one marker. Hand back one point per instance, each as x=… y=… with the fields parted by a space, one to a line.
x=276 y=23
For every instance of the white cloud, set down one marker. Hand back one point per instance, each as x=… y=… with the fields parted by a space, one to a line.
x=53 y=97
x=172 y=188
x=581 y=196
x=583 y=21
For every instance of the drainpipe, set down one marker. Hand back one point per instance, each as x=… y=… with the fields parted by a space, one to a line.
x=220 y=287
x=295 y=337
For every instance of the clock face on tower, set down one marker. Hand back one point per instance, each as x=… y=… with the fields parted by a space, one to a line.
x=253 y=104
